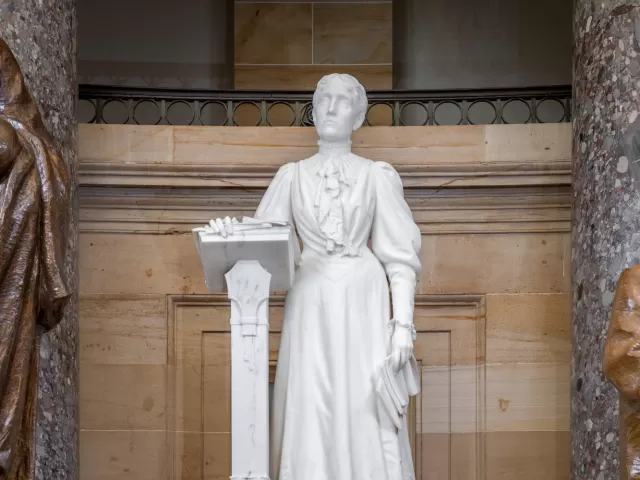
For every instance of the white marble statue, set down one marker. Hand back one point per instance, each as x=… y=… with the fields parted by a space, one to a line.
x=327 y=422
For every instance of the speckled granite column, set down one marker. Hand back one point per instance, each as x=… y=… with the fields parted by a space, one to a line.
x=42 y=35
x=606 y=214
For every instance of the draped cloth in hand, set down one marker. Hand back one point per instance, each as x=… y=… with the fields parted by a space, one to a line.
x=34 y=209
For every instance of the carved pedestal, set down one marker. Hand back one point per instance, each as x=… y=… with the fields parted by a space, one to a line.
x=248 y=287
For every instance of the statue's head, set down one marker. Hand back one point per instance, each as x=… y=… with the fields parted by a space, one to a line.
x=339 y=107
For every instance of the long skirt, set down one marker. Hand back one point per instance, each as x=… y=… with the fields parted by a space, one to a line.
x=325 y=418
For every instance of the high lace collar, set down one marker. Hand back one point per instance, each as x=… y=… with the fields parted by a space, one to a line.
x=338 y=166
x=334 y=149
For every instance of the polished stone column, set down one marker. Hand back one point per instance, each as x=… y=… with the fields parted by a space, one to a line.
x=606 y=215
x=42 y=35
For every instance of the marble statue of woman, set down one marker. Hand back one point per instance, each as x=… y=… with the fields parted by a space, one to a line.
x=326 y=422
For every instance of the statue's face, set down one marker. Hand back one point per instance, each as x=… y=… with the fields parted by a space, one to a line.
x=335 y=112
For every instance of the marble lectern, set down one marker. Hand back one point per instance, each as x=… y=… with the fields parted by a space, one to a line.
x=256 y=259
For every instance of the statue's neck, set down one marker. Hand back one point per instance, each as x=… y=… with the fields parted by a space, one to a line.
x=334 y=149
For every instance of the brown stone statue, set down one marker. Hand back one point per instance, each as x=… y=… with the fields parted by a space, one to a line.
x=622 y=366
x=34 y=216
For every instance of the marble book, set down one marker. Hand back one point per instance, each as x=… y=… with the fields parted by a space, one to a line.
x=273 y=245
x=395 y=388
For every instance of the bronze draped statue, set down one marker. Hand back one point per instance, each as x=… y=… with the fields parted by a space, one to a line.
x=622 y=367
x=34 y=221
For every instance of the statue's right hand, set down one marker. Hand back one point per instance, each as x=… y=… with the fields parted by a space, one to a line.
x=224 y=226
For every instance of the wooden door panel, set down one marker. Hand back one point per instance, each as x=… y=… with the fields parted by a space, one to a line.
x=445 y=418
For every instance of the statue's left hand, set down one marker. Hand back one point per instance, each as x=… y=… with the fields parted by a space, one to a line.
x=401 y=347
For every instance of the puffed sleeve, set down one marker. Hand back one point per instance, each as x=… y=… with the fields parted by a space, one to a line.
x=396 y=240
x=275 y=205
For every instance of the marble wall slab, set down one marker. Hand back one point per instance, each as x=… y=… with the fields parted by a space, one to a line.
x=305 y=77
x=314 y=1
x=273 y=33
x=352 y=33
x=291 y=45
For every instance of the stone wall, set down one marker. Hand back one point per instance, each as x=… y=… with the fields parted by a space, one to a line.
x=492 y=307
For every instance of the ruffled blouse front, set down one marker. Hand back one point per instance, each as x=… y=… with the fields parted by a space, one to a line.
x=339 y=203
x=329 y=202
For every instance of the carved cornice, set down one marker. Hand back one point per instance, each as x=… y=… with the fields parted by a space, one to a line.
x=176 y=211
x=556 y=173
